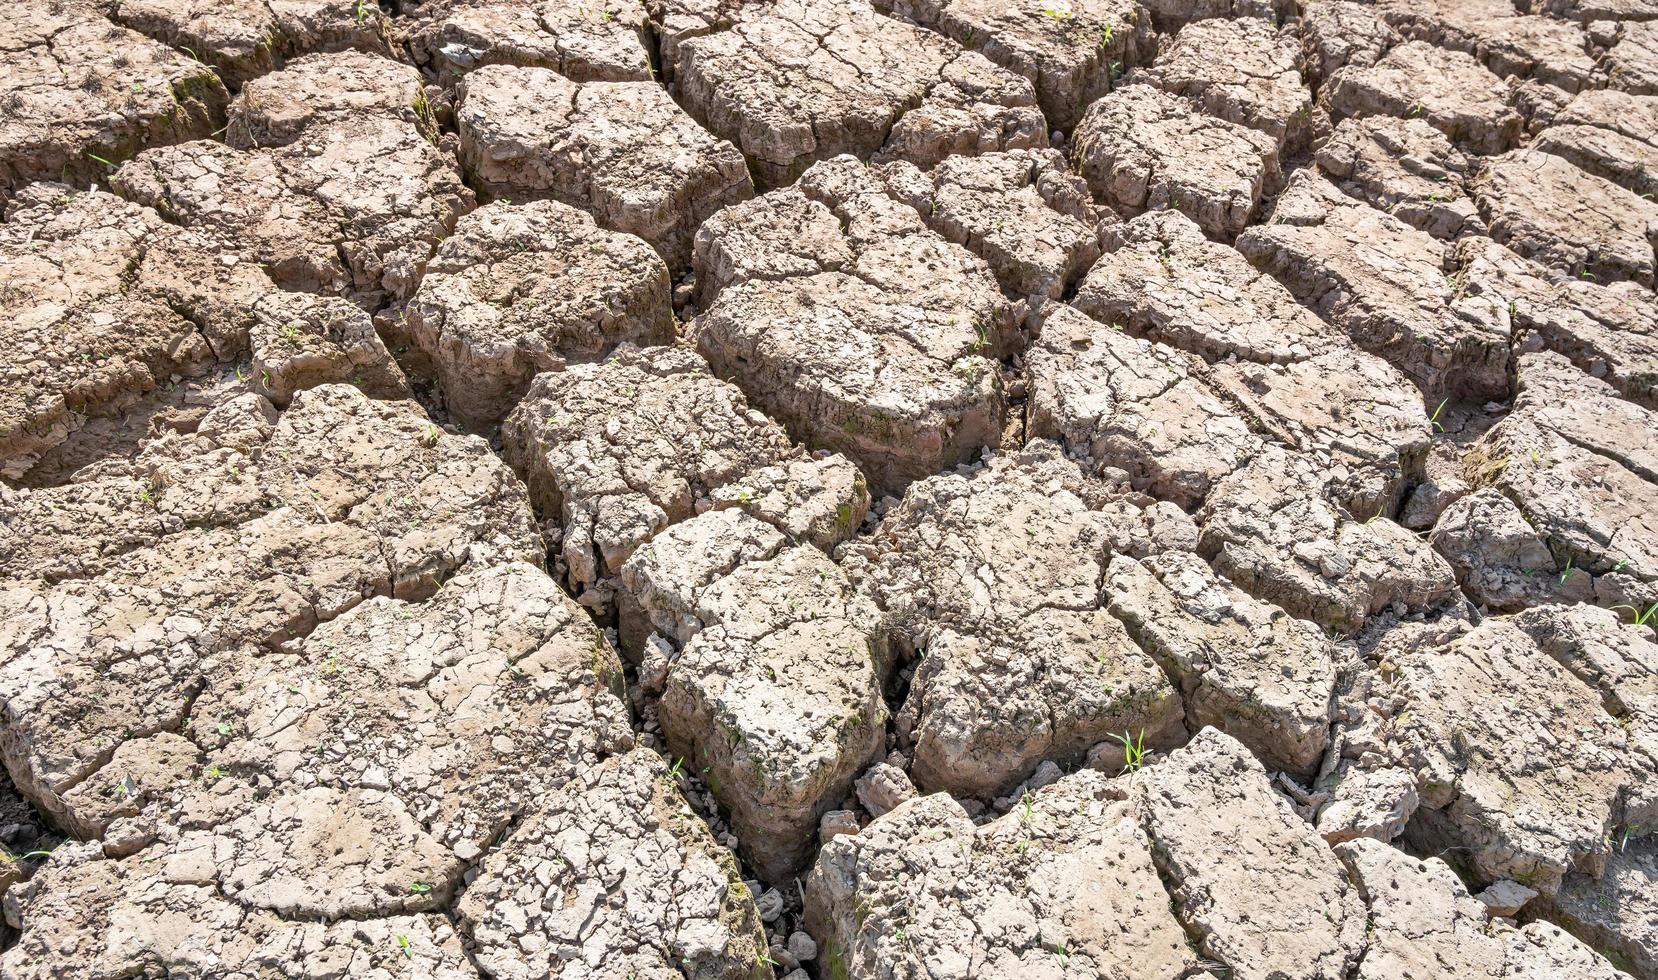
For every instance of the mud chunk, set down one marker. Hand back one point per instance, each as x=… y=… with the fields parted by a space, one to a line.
x=1022 y=663
x=1388 y=286
x=883 y=788
x=616 y=451
x=79 y=338
x=1119 y=401
x=622 y=825
x=1022 y=212
x=1406 y=168
x=301 y=341
x=1610 y=332
x=77 y=88
x=1449 y=89
x=582 y=41
x=1423 y=921
x=660 y=583
x=1509 y=43
x=1474 y=740
x=1244 y=71
x=1272 y=531
x=1244 y=666
x=1171 y=15
x=1615 y=911
x=1071 y=53
x=277 y=109
x=1252 y=881
x=871 y=337
x=1338 y=33
x=521 y=289
x=1612 y=656
x=777 y=697
x=356 y=207
x=1634 y=116
x=243 y=39
x=1545 y=208
x=1499 y=558
x=1369 y=803
x=86 y=914
x=1624 y=161
x=1632 y=62
x=1288 y=374
x=621 y=150
x=1142 y=149
x=820 y=501
x=1577 y=462
x=1071 y=872
x=805 y=80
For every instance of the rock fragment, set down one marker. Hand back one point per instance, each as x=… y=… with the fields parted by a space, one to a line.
x=621 y=150
x=521 y=289
x=277 y=109
x=301 y=341
x=1143 y=149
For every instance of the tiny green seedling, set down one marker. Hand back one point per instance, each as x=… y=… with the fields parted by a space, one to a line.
x=403 y=946
x=99 y=159
x=1566 y=573
x=1134 y=750
x=420 y=888
x=1433 y=419
x=1641 y=618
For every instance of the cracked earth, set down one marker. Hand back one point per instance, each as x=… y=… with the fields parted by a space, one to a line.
x=829 y=489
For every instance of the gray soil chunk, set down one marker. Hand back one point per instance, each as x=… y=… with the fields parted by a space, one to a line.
x=582 y=41
x=1245 y=71
x=1578 y=462
x=1477 y=718
x=776 y=693
x=820 y=501
x=1065 y=884
x=863 y=331
x=615 y=872
x=621 y=150
x=1271 y=529
x=1388 y=285
x=1423 y=922
x=253 y=529
x=1023 y=212
x=354 y=208
x=616 y=451
x=1244 y=666
x=301 y=341
x=994 y=579
x=1071 y=52
x=277 y=109
x=1117 y=401
x=243 y=39
x=1544 y=208
x=1406 y=168
x=76 y=87
x=1142 y=149
x=1290 y=375
x=1609 y=332
x=1338 y=33
x=1617 y=912
x=798 y=81
x=1252 y=882
x=157 y=911
x=521 y=289
x=1502 y=561
x=1623 y=160
x=1449 y=89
